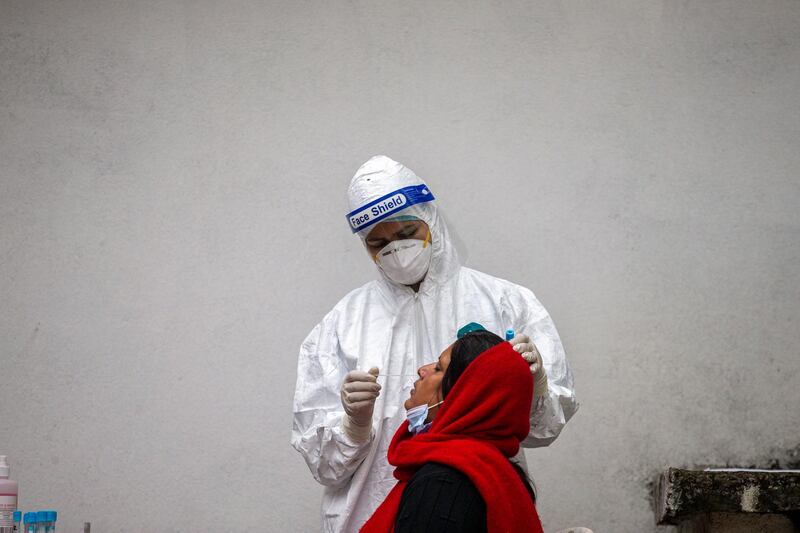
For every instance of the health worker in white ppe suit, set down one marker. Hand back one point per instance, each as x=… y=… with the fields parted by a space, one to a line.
x=357 y=367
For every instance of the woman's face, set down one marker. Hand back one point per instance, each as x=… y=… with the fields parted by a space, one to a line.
x=428 y=388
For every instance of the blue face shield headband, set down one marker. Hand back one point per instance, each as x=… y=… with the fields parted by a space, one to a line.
x=388 y=205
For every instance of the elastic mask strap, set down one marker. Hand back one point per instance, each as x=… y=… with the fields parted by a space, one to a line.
x=424 y=245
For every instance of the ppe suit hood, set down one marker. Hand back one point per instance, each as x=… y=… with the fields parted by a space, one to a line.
x=380 y=176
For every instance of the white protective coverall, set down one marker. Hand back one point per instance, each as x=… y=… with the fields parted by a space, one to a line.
x=389 y=326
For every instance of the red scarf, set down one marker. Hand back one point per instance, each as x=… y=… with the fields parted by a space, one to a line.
x=476 y=430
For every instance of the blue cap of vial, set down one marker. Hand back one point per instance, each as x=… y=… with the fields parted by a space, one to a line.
x=41 y=516
x=52 y=516
x=509 y=334
x=30 y=518
x=17 y=516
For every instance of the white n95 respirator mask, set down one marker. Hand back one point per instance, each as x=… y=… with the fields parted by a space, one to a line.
x=405 y=261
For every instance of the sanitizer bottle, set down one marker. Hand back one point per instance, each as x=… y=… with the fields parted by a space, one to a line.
x=8 y=497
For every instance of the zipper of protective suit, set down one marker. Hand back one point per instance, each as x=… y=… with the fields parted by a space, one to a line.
x=421 y=333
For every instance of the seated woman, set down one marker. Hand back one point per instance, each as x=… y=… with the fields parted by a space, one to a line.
x=467 y=414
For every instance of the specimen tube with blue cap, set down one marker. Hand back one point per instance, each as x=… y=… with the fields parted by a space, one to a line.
x=41 y=521
x=30 y=522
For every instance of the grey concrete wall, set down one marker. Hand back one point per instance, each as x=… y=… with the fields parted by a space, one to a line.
x=172 y=179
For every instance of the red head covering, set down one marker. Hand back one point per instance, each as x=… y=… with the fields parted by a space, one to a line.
x=478 y=427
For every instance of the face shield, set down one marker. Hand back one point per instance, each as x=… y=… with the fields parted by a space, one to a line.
x=401 y=248
x=396 y=205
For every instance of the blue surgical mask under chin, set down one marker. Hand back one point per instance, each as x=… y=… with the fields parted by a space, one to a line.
x=416 y=417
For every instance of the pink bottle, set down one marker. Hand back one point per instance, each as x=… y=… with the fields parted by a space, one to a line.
x=8 y=496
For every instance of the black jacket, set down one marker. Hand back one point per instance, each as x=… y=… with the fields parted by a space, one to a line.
x=440 y=499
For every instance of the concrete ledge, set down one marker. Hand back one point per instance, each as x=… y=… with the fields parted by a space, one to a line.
x=738 y=523
x=686 y=494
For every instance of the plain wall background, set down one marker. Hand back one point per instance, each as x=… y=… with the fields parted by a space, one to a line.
x=172 y=200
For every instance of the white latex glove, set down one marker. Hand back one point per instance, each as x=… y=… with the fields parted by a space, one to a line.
x=359 y=391
x=522 y=344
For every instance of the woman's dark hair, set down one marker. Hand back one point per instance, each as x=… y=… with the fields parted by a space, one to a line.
x=465 y=351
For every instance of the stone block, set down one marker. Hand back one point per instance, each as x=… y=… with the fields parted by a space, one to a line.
x=729 y=500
